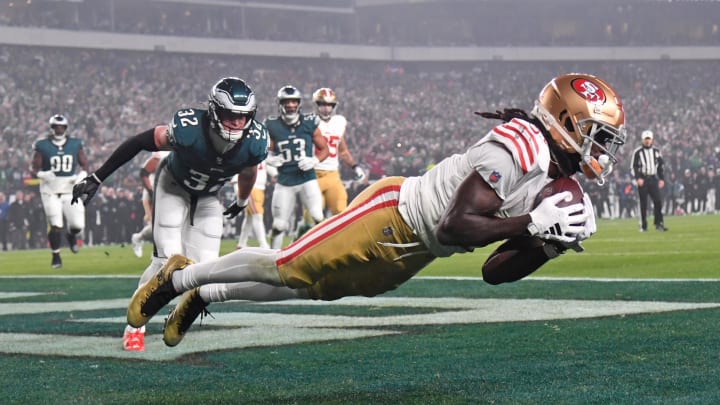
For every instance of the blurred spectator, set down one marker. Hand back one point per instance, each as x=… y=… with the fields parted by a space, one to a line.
x=36 y=223
x=416 y=23
x=402 y=118
x=628 y=203
x=711 y=198
x=4 y=207
x=18 y=222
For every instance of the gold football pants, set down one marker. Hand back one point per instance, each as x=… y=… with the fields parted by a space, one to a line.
x=367 y=249
x=256 y=202
x=333 y=190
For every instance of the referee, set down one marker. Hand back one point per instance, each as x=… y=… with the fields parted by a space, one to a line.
x=648 y=171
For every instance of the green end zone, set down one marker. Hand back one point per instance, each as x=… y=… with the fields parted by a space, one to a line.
x=631 y=320
x=436 y=340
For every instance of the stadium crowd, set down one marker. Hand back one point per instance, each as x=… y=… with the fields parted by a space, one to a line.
x=402 y=119
x=465 y=23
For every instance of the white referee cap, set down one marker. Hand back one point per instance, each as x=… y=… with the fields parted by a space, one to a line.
x=647 y=134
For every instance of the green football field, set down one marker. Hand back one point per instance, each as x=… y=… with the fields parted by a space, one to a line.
x=631 y=320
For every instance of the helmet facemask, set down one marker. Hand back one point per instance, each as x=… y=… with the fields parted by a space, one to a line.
x=585 y=118
x=231 y=99
x=58 y=121
x=325 y=102
x=289 y=93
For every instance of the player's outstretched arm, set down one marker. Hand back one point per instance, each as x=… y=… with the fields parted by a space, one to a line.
x=517 y=258
x=86 y=188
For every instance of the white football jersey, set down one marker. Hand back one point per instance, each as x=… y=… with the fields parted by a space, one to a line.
x=260 y=180
x=160 y=154
x=333 y=130
x=513 y=158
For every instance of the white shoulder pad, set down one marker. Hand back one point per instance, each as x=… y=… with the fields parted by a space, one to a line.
x=524 y=141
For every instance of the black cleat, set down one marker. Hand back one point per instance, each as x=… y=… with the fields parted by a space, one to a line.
x=661 y=228
x=72 y=241
x=56 y=261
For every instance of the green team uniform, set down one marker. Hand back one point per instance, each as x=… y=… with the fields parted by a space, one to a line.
x=62 y=159
x=293 y=143
x=195 y=164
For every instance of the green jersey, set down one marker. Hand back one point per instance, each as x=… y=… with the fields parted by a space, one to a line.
x=196 y=165
x=293 y=142
x=61 y=159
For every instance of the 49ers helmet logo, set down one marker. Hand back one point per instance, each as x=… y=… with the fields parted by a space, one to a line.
x=588 y=90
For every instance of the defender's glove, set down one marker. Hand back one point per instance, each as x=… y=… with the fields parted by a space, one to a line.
x=86 y=189
x=46 y=175
x=359 y=173
x=308 y=163
x=235 y=208
x=550 y=222
x=274 y=160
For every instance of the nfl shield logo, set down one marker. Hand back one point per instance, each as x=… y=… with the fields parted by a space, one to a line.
x=494 y=176
x=387 y=231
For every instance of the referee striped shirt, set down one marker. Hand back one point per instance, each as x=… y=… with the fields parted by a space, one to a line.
x=647 y=162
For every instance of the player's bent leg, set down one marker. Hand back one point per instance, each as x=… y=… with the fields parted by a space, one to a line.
x=137 y=239
x=194 y=303
x=202 y=237
x=336 y=195
x=55 y=237
x=277 y=234
x=283 y=204
x=250 y=264
x=134 y=338
x=150 y=297
x=73 y=240
x=259 y=229
x=312 y=200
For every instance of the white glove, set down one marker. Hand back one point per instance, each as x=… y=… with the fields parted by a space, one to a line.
x=76 y=178
x=46 y=175
x=589 y=228
x=550 y=222
x=274 y=160
x=359 y=173
x=307 y=163
x=590 y=225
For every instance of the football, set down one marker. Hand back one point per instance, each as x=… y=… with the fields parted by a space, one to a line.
x=559 y=185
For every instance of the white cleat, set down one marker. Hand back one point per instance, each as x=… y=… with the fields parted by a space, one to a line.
x=137 y=244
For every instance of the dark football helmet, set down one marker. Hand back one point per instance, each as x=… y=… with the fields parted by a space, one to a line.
x=581 y=111
x=58 y=127
x=289 y=93
x=231 y=97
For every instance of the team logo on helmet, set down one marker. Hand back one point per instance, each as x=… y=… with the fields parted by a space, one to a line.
x=588 y=90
